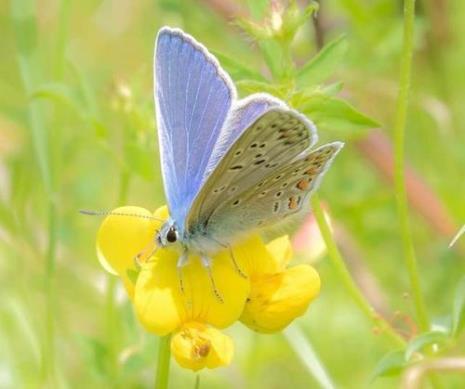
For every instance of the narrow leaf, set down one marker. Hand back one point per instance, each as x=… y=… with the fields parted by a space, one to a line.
x=392 y=363
x=326 y=109
x=304 y=350
x=333 y=89
x=458 y=310
x=324 y=64
x=273 y=55
x=58 y=93
x=237 y=70
x=423 y=340
x=253 y=86
x=23 y=16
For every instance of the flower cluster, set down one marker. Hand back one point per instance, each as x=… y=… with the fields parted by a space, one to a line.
x=267 y=300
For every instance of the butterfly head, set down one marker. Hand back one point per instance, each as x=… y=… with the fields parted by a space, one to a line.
x=168 y=234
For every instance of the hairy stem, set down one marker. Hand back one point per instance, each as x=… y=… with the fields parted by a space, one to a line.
x=399 y=169
x=346 y=278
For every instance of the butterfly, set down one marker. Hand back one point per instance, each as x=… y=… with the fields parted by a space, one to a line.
x=230 y=166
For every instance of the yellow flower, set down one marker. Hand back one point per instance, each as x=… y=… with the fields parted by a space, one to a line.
x=268 y=299
x=121 y=238
x=197 y=346
x=278 y=296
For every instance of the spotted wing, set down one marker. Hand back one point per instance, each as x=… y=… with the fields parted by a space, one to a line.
x=270 y=143
x=278 y=195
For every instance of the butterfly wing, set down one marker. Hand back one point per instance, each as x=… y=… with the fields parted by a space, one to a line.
x=243 y=114
x=272 y=142
x=275 y=197
x=193 y=97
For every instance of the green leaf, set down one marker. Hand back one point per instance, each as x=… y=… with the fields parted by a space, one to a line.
x=58 y=93
x=335 y=113
x=392 y=363
x=324 y=64
x=273 y=54
x=333 y=89
x=293 y=18
x=237 y=70
x=253 y=86
x=302 y=347
x=458 y=309
x=23 y=15
x=423 y=340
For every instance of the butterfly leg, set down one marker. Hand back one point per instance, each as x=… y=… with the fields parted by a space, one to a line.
x=236 y=265
x=207 y=262
x=182 y=261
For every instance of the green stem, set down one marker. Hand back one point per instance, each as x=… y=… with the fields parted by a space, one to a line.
x=112 y=321
x=49 y=359
x=111 y=328
x=346 y=278
x=62 y=37
x=163 y=362
x=399 y=173
x=23 y=15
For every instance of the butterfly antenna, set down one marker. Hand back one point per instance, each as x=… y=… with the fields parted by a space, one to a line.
x=111 y=213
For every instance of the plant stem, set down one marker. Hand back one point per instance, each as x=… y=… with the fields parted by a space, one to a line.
x=23 y=15
x=111 y=328
x=49 y=285
x=62 y=37
x=163 y=362
x=399 y=173
x=304 y=350
x=346 y=278
x=112 y=320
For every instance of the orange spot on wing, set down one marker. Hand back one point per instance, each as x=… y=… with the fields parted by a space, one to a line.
x=292 y=203
x=302 y=184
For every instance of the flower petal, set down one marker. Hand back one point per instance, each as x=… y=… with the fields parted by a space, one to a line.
x=281 y=251
x=121 y=238
x=196 y=346
x=277 y=299
x=256 y=258
x=161 y=305
x=157 y=299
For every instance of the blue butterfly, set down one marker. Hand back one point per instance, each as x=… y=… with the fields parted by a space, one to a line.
x=229 y=166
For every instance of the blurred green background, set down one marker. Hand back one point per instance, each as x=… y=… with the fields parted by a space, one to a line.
x=77 y=131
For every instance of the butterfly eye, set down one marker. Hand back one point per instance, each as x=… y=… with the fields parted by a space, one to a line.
x=171 y=235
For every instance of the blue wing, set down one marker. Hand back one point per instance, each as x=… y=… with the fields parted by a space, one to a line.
x=193 y=97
